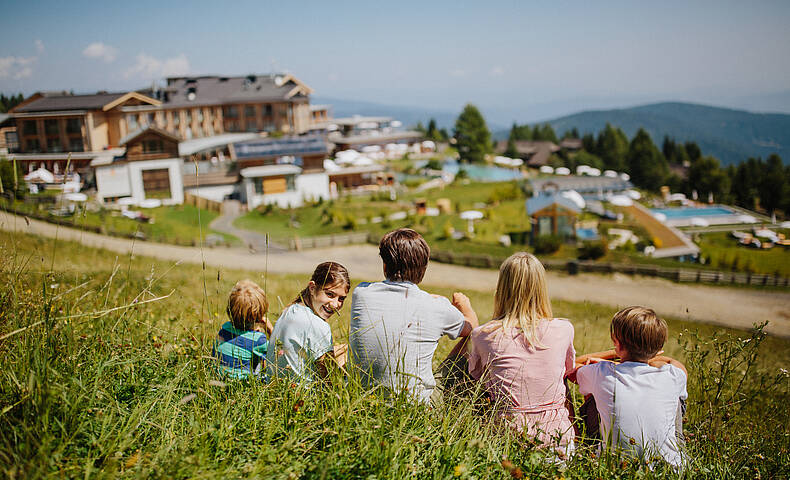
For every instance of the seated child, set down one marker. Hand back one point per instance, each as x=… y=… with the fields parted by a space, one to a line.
x=301 y=346
x=241 y=342
x=523 y=355
x=638 y=401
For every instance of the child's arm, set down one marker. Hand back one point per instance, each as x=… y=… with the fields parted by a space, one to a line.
x=337 y=356
x=595 y=357
x=661 y=360
x=462 y=303
x=264 y=326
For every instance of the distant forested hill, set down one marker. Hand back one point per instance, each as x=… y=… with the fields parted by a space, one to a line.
x=730 y=135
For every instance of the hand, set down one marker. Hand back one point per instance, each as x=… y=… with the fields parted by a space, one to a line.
x=462 y=302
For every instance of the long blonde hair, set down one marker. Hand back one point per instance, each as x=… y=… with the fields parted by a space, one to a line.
x=522 y=297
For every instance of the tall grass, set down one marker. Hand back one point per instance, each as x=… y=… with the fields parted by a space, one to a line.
x=101 y=377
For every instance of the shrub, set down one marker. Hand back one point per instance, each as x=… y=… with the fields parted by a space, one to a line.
x=547 y=243
x=592 y=250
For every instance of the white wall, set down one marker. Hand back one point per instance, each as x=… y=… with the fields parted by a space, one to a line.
x=112 y=181
x=174 y=170
x=216 y=193
x=311 y=186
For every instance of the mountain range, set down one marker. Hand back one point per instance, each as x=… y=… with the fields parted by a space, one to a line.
x=730 y=135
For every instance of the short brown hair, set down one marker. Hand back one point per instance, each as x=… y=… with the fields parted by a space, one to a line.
x=640 y=332
x=405 y=255
x=247 y=304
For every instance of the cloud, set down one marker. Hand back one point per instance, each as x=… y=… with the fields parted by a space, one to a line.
x=458 y=72
x=150 y=67
x=16 y=67
x=497 y=71
x=39 y=46
x=100 y=51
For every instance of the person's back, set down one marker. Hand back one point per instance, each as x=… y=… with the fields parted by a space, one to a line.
x=639 y=401
x=241 y=342
x=395 y=326
x=638 y=406
x=394 y=331
x=299 y=338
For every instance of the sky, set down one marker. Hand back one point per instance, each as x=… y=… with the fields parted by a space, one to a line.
x=517 y=61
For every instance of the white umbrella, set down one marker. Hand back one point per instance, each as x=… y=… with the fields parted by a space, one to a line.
x=42 y=174
x=677 y=197
x=593 y=172
x=362 y=161
x=750 y=219
x=660 y=216
x=471 y=216
x=633 y=194
x=546 y=169
x=610 y=173
x=151 y=203
x=371 y=149
x=126 y=201
x=698 y=222
x=581 y=169
x=330 y=165
x=625 y=176
x=575 y=197
x=75 y=197
x=783 y=224
x=562 y=171
x=621 y=201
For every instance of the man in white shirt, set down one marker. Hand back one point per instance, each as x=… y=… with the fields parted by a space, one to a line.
x=638 y=399
x=395 y=326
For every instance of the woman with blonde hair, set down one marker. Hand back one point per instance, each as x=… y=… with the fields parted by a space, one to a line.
x=523 y=354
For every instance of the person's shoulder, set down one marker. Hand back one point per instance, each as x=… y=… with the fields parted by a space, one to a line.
x=561 y=324
x=364 y=285
x=672 y=371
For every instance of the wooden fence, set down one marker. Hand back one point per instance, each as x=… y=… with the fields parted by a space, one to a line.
x=576 y=266
x=300 y=243
x=201 y=202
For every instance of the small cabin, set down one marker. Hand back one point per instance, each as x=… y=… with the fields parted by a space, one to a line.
x=551 y=213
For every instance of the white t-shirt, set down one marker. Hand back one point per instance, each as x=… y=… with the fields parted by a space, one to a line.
x=395 y=328
x=638 y=405
x=300 y=337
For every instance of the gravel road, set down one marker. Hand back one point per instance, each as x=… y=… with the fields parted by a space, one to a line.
x=732 y=307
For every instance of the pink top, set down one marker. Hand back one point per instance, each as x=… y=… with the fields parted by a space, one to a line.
x=527 y=382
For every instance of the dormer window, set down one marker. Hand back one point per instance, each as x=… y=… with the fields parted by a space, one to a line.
x=153 y=146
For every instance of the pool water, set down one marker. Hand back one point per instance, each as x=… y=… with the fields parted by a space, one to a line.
x=484 y=173
x=689 y=212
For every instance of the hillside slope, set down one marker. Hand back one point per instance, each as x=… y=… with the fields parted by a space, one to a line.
x=730 y=135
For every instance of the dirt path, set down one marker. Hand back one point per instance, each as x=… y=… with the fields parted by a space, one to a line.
x=733 y=307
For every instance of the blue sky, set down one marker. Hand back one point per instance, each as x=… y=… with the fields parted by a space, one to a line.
x=525 y=60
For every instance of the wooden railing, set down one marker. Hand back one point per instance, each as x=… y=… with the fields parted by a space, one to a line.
x=201 y=202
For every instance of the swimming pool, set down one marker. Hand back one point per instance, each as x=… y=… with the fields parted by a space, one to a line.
x=481 y=173
x=700 y=216
x=688 y=212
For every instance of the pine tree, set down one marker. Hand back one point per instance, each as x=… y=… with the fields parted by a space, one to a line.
x=473 y=139
x=647 y=166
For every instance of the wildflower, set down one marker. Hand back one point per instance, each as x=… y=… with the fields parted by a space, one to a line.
x=459 y=470
x=298 y=405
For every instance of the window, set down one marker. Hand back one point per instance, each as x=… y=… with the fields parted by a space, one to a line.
x=33 y=146
x=267 y=110
x=153 y=146
x=29 y=127
x=249 y=111
x=151 y=118
x=54 y=145
x=189 y=117
x=75 y=145
x=200 y=115
x=251 y=127
x=272 y=185
x=73 y=125
x=231 y=111
x=232 y=126
x=131 y=122
x=176 y=118
x=51 y=127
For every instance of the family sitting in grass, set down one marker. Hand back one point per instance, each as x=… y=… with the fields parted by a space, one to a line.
x=522 y=359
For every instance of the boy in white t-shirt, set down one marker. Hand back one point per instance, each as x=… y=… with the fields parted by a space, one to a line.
x=638 y=400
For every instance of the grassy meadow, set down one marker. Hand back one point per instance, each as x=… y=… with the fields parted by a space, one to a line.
x=107 y=372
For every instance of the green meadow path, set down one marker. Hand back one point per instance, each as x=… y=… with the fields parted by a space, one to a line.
x=732 y=307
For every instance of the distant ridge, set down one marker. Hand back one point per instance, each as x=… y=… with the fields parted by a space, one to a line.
x=730 y=135
x=409 y=115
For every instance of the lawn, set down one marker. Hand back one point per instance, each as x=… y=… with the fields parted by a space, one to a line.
x=722 y=252
x=102 y=377
x=177 y=224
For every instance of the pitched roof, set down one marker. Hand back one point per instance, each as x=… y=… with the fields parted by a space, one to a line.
x=216 y=90
x=278 y=147
x=543 y=200
x=62 y=101
x=149 y=129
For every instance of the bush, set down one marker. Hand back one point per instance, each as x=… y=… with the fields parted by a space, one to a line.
x=547 y=243
x=592 y=250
